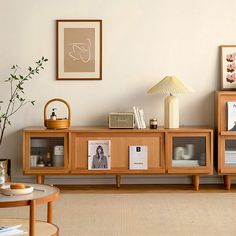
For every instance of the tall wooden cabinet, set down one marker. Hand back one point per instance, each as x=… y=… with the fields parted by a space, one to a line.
x=226 y=138
x=183 y=151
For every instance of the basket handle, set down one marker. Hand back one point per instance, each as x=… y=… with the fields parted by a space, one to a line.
x=59 y=100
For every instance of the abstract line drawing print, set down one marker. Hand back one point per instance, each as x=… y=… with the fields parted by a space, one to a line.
x=81 y=51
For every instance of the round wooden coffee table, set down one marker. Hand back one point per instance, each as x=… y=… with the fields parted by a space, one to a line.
x=41 y=194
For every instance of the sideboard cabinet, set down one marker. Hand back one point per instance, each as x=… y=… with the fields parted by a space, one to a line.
x=183 y=151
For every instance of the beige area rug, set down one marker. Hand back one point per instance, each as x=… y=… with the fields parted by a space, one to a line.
x=134 y=214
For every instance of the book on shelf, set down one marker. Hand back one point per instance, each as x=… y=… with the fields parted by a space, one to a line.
x=185 y=163
x=230 y=163
x=11 y=230
x=230 y=156
x=139 y=118
x=138 y=157
x=99 y=154
x=231 y=107
x=141 y=114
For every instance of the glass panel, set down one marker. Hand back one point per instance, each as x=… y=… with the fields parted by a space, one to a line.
x=230 y=152
x=47 y=152
x=189 y=151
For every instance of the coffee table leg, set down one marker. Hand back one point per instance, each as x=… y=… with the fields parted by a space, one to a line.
x=49 y=212
x=32 y=218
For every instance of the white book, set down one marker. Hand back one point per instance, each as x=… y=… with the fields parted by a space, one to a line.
x=12 y=230
x=230 y=152
x=141 y=114
x=99 y=154
x=136 y=116
x=185 y=163
x=231 y=116
x=139 y=118
x=230 y=156
x=138 y=157
x=230 y=163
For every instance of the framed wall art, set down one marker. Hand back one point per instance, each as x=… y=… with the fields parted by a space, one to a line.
x=228 y=67
x=79 y=50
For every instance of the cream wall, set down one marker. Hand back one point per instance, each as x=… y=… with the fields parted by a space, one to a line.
x=143 y=41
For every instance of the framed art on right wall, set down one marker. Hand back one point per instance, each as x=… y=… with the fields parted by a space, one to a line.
x=228 y=67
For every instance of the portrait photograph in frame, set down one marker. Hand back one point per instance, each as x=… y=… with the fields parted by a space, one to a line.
x=228 y=67
x=79 y=49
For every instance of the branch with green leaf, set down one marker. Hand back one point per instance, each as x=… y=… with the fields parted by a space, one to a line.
x=17 y=99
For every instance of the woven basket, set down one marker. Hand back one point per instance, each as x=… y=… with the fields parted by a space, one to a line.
x=59 y=123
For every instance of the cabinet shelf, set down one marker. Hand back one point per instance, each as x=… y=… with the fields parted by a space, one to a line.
x=121 y=171
x=228 y=133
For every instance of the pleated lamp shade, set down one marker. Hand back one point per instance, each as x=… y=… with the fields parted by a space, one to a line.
x=171 y=85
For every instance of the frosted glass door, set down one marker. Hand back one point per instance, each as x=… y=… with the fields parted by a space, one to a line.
x=188 y=151
x=47 y=152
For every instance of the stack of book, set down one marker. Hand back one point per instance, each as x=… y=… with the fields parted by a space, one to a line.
x=139 y=118
x=12 y=230
x=185 y=163
x=230 y=158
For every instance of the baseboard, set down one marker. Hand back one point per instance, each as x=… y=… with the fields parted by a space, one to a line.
x=93 y=180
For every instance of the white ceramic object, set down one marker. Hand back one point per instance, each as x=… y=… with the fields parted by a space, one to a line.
x=179 y=152
x=188 y=152
x=58 y=160
x=171 y=112
x=34 y=160
x=6 y=190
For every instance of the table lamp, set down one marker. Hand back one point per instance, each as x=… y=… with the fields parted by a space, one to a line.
x=171 y=85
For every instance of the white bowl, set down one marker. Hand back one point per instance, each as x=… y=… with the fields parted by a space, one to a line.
x=5 y=189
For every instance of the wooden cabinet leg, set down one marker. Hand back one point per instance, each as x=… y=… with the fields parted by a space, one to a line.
x=196 y=182
x=32 y=218
x=40 y=179
x=227 y=182
x=224 y=178
x=49 y=216
x=118 y=181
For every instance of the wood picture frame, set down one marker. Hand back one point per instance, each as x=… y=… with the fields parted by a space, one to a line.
x=228 y=67
x=79 y=49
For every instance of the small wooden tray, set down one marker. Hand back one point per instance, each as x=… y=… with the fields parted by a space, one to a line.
x=6 y=190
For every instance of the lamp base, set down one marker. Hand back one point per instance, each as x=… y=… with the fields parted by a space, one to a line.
x=171 y=112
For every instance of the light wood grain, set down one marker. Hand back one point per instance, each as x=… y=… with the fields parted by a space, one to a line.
x=159 y=144
x=49 y=212
x=119 y=151
x=32 y=218
x=196 y=181
x=222 y=97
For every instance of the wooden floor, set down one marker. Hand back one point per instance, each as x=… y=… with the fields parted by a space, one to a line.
x=147 y=188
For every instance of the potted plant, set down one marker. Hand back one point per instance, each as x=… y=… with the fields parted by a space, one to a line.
x=17 y=99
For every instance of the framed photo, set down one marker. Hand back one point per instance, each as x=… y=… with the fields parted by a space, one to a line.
x=228 y=67
x=79 y=50
x=99 y=154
